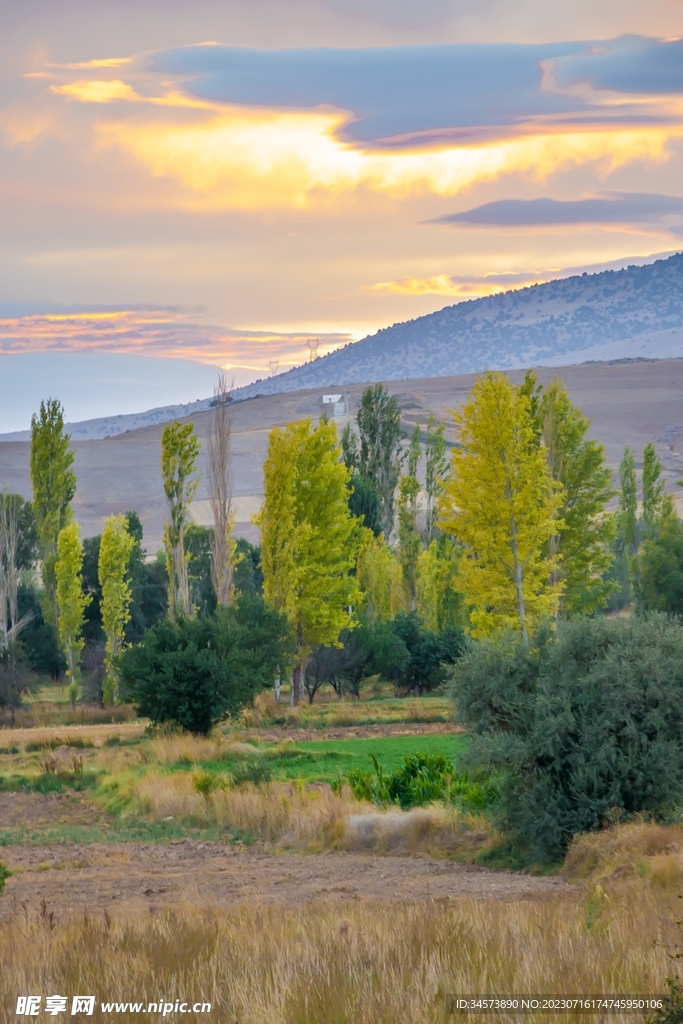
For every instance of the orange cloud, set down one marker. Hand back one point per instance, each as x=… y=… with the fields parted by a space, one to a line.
x=158 y=332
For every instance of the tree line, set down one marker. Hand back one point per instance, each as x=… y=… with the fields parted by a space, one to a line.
x=380 y=553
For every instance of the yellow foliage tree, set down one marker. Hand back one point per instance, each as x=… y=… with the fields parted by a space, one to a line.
x=116 y=547
x=380 y=578
x=309 y=538
x=439 y=600
x=502 y=504
x=71 y=601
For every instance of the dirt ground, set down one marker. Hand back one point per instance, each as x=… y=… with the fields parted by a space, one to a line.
x=143 y=877
x=151 y=876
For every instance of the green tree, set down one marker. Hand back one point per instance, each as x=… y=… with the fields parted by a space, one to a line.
x=71 y=602
x=195 y=672
x=440 y=604
x=179 y=453
x=364 y=503
x=653 y=489
x=436 y=466
x=116 y=548
x=628 y=504
x=54 y=485
x=308 y=537
x=409 y=540
x=380 y=579
x=582 y=549
x=658 y=566
x=502 y=504
x=380 y=455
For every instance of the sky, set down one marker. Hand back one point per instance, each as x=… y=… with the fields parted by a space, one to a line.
x=219 y=184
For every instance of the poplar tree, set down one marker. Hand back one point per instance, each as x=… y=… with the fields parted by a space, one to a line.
x=54 y=485
x=223 y=544
x=439 y=601
x=116 y=547
x=628 y=503
x=502 y=504
x=436 y=465
x=179 y=452
x=409 y=540
x=71 y=602
x=380 y=579
x=582 y=547
x=653 y=489
x=309 y=538
x=379 y=451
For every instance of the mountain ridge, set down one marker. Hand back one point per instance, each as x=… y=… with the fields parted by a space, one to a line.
x=636 y=312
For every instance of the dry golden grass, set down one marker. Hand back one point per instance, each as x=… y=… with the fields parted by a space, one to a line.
x=309 y=818
x=639 y=855
x=96 y=734
x=363 y=964
x=329 y=712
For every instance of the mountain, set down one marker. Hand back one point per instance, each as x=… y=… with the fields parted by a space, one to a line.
x=109 y=426
x=624 y=314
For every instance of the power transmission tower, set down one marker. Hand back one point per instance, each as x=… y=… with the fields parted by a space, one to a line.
x=313 y=347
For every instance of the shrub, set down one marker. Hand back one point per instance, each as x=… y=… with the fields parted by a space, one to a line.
x=195 y=672
x=419 y=780
x=255 y=770
x=4 y=875
x=584 y=725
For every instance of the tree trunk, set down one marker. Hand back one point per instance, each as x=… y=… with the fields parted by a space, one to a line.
x=277 y=686
x=519 y=589
x=296 y=683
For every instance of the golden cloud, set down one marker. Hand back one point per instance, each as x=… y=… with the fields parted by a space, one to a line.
x=237 y=157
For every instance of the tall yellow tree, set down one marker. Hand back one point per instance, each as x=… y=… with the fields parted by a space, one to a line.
x=308 y=537
x=71 y=601
x=380 y=578
x=501 y=503
x=116 y=547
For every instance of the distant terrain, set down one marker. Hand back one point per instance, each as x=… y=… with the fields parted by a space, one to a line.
x=628 y=403
x=632 y=313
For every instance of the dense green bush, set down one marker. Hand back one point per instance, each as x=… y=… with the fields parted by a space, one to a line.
x=429 y=653
x=420 y=779
x=583 y=726
x=4 y=875
x=196 y=672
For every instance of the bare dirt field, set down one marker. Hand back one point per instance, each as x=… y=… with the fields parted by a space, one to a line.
x=154 y=876
x=629 y=404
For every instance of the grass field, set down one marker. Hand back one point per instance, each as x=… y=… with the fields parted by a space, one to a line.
x=326 y=760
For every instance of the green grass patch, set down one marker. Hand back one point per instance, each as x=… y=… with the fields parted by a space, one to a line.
x=49 y=783
x=118 y=831
x=326 y=760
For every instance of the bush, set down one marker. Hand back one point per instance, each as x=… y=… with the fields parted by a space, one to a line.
x=195 y=672
x=584 y=726
x=419 y=780
x=428 y=653
x=4 y=875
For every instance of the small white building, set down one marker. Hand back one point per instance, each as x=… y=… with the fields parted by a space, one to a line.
x=339 y=403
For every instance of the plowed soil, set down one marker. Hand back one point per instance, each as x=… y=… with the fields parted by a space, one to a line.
x=147 y=877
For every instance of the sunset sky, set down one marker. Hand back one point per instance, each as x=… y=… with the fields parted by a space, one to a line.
x=216 y=181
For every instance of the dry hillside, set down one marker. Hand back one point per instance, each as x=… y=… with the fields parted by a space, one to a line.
x=628 y=403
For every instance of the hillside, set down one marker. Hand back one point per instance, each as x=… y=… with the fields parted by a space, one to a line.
x=629 y=404
x=625 y=314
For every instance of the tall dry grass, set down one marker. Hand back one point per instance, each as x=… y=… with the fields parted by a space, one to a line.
x=363 y=964
x=312 y=818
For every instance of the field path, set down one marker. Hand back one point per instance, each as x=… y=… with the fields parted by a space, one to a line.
x=151 y=876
